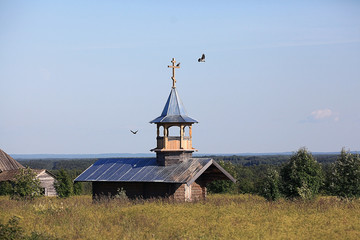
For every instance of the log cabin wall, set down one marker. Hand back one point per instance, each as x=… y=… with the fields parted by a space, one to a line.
x=170 y=158
x=179 y=193
x=47 y=183
x=198 y=191
x=195 y=192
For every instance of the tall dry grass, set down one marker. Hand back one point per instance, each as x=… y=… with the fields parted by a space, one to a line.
x=220 y=217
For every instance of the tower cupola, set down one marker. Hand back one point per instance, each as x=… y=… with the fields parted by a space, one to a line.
x=178 y=148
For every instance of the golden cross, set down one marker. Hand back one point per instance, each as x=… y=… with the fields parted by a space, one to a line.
x=173 y=71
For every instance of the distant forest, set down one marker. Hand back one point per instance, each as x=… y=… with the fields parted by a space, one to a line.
x=246 y=161
x=269 y=159
x=249 y=170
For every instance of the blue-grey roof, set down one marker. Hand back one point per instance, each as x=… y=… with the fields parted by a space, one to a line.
x=146 y=170
x=174 y=111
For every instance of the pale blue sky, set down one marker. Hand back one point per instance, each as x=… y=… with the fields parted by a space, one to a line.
x=76 y=76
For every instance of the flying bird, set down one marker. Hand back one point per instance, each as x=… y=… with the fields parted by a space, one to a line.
x=178 y=65
x=134 y=132
x=202 y=59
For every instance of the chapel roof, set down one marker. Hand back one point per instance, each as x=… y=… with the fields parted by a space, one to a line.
x=147 y=170
x=174 y=111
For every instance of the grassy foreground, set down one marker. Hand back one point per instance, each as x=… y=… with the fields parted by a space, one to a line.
x=220 y=217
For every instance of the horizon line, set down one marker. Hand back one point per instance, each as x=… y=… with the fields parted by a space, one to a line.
x=127 y=155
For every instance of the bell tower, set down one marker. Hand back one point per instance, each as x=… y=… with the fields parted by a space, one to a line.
x=178 y=148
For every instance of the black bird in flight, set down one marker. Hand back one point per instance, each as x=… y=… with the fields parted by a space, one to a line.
x=178 y=65
x=202 y=59
x=134 y=132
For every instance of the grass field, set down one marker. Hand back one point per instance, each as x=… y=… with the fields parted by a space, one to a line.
x=220 y=217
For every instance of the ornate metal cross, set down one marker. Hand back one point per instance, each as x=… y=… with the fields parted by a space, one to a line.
x=173 y=71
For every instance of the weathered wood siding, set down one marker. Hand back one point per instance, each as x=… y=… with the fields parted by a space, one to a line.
x=179 y=193
x=47 y=182
x=194 y=192
x=198 y=191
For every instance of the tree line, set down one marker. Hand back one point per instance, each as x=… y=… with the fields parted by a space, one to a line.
x=301 y=176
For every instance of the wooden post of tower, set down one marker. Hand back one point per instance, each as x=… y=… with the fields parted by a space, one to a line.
x=190 y=135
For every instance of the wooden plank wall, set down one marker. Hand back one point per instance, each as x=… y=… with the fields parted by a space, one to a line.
x=47 y=182
x=195 y=192
x=179 y=193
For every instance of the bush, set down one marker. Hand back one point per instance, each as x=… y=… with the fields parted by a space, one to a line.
x=302 y=176
x=345 y=175
x=12 y=231
x=270 y=187
x=5 y=188
x=26 y=185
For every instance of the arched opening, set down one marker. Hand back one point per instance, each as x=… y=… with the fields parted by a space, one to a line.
x=174 y=131
x=160 y=131
x=186 y=131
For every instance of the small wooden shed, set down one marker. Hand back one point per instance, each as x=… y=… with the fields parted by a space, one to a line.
x=173 y=174
x=9 y=168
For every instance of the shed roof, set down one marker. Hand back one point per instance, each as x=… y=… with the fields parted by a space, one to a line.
x=8 y=163
x=174 y=111
x=9 y=175
x=147 y=170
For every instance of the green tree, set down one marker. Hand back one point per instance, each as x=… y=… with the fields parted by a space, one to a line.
x=244 y=179
x=270 y=186
x=301 y=176
x=345 y=175
x=63 y=184
x=26 y=185
x=224 y=186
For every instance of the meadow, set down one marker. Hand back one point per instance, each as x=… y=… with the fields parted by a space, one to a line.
x=219 y=217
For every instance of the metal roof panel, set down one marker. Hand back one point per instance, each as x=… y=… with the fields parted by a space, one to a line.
x=86 y=174
x=174 y=110
x=145 y=170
